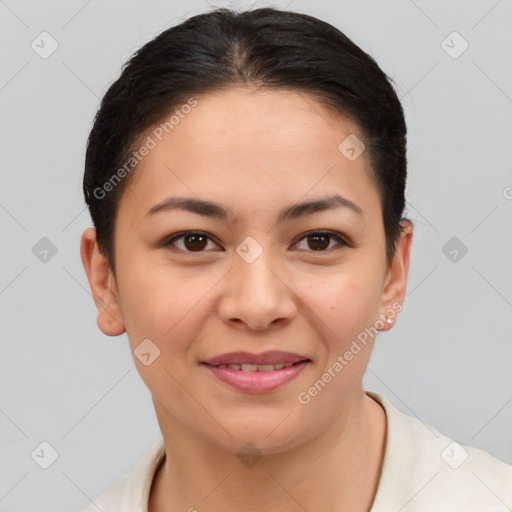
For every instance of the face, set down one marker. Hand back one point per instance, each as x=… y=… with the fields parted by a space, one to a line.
x=261 y=278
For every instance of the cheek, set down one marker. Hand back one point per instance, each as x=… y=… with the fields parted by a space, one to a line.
x=346 y=302
x=164 y=304
x=169 y=311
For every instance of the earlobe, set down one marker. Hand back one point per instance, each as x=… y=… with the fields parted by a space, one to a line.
x=395 y=285
x=110 y=319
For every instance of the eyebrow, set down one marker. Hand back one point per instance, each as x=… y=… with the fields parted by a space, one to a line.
x=218 y=211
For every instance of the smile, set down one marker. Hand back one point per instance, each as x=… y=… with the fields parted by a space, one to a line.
x=252 y=378
x=256 y=367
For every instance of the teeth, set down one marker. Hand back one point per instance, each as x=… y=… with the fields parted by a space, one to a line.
x=256 y=367
x=249 y=367
x=264 y=367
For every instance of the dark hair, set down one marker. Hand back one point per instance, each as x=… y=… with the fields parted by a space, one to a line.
x=261 y=48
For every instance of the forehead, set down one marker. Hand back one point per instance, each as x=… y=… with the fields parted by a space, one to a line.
x=249 y=120
x=258 y=145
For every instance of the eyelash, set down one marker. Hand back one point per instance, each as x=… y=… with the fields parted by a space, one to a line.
x=332 y=234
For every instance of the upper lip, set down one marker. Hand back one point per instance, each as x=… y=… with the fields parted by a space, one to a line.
x=272 y=357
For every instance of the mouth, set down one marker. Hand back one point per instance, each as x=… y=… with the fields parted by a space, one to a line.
x=266 y=361
x=247 y=367
x=257 y=373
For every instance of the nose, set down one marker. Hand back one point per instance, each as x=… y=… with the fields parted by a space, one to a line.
x=257 y=295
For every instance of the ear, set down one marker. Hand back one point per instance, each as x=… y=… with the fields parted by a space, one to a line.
x=395 y=283
x=103 y=286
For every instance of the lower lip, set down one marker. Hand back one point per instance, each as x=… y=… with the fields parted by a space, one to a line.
x=257 y=382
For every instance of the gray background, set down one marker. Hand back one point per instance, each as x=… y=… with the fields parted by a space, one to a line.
x=447 y=361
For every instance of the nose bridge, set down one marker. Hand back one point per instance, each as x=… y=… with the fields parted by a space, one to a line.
x=257 y=292
x=254 y=269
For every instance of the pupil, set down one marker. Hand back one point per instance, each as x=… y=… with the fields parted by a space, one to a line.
x=316 y=238
x=195 y=245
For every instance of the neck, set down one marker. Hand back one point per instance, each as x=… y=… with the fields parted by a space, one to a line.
x=338 y=469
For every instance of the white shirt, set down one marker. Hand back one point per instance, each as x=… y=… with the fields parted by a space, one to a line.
x=423 y=470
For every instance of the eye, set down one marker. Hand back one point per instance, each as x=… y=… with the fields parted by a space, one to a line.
x=193 y=241
x=197 y=241
x=320 y=240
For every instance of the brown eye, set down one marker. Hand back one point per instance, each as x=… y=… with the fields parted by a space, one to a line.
x=320 y=240
x=195 y=242
x=191 y=241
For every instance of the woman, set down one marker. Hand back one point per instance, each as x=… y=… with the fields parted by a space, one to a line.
x=246 y=177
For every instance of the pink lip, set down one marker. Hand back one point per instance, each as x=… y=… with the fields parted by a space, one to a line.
x=272 y=357
x=257 y=382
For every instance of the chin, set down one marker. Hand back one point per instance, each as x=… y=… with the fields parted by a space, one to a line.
x=268 y=438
